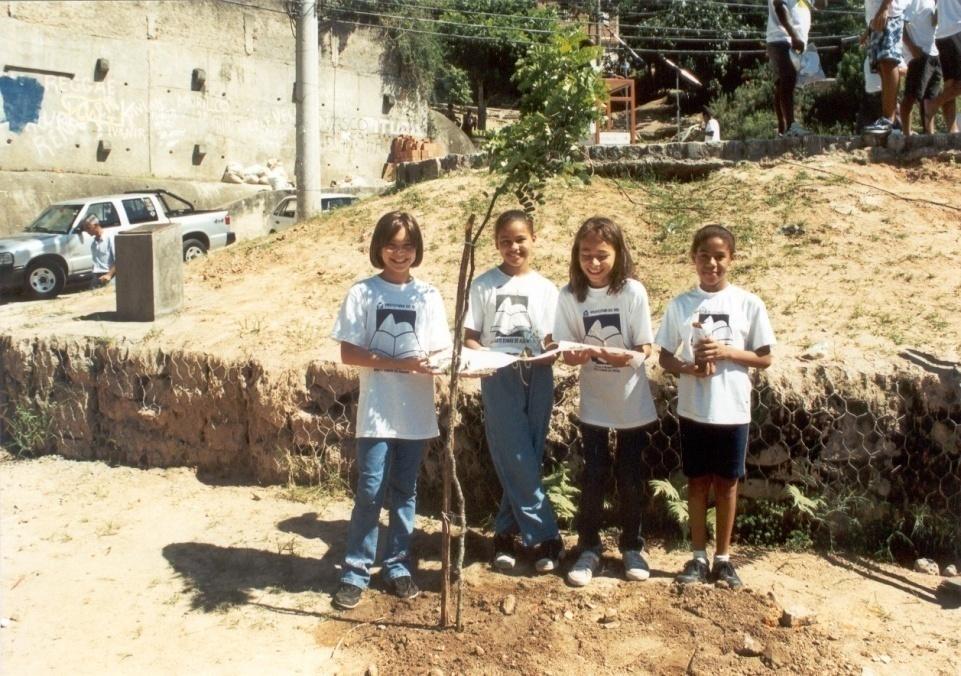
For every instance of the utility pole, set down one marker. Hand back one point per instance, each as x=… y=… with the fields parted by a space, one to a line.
x=307 y=100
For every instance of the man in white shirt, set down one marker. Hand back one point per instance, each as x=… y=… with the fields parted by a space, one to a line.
x=102 y=251
x=885 y=22
x=788 y=25
x=712 y=128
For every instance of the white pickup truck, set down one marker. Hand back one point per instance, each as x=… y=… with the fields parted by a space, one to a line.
x=53 y=250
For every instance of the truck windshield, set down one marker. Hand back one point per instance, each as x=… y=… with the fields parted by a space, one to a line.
x=56 y=219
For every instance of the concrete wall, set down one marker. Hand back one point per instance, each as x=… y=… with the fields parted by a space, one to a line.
x=57 y=110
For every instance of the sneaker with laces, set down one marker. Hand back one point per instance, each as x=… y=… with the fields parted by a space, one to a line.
x=347 y=596
x=548 y=554
x=403 y=587
x=880 y=127
x=695 y=570
x=796 y=131
x=582 y=572
x=635 y=567
x=723 y=574
x=504 y=558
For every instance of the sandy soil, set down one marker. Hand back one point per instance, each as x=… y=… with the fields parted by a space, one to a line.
x=837 y=257
x=118 y=570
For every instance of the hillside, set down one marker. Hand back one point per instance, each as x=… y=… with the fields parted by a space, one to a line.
x=851 y=255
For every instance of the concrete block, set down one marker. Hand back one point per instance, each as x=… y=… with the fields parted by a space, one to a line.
x=430 y=169
x=150 y=280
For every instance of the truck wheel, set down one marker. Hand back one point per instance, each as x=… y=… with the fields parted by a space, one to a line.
x=193 y=248
x=44 y=280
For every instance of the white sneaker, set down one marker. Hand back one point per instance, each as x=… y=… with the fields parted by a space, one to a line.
x=582 y=572
x=504 y=562
x=635 y=567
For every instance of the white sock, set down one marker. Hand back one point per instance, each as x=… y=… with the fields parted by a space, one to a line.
x=700 y=555
x=722 y=557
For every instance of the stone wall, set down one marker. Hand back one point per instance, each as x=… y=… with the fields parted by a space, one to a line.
x=144 y=111
x=894 y=436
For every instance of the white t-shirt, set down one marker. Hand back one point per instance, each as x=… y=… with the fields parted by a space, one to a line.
x=512 y=313
x=871 y=7
x=949 y=18
x=920 y=24
x=611 y=396
x=800 y=13
x=712 y=131
x=103 y=252
x=394 y=320
x=731 y=316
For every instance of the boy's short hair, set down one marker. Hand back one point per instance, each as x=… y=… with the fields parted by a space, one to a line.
x=713 y=230
x=385 y=230
x=705 y=110
x=509 y=217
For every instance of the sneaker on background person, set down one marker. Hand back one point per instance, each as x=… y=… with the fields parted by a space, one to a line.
x=797 y=131
x=880 y=127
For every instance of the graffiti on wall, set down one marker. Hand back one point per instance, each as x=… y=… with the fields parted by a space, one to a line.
x=22 y=99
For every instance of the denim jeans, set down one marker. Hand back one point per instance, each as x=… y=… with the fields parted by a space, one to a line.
x=627 y=477
x=517 y=412
x=387 y=474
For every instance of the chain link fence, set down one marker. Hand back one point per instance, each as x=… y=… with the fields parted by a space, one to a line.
x=880 y=453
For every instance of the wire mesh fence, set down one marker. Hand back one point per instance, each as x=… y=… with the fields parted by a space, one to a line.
x=880 y=451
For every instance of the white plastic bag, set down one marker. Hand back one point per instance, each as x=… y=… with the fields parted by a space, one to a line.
x=809 y=69
x=872 y=81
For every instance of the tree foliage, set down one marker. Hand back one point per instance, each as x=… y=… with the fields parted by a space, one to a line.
x=561 y=95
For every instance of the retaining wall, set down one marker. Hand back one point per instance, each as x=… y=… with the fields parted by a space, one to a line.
x=143 y=112
x=893 y=435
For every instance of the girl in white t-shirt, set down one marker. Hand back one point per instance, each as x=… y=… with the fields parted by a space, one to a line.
x=710 y=336
x=604 y=307
x=512 y=310
x=388 y=326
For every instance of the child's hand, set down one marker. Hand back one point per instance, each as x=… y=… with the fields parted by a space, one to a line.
x=797 y=45
x=705 y=370
x=618 y=359
x=576 y=357
x=709 y=351
x=418 y=365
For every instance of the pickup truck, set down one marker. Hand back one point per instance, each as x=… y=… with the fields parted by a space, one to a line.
x=284 y=214
x=54 y=251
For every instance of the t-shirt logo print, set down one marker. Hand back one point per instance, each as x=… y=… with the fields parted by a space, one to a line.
x=395 y=335
x=716 y=326
x=603 y=330
x=511 y=318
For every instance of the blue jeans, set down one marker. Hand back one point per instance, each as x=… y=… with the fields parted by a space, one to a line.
x=627 y=477
x=517 y=412
x=387 y=473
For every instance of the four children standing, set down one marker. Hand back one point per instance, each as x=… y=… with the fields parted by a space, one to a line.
x=390 y=324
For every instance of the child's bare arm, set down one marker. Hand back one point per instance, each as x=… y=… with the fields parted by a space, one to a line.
x=713 y=351
x=353 y=355
x=782 y=15
x=672 y=364
x=472 y=339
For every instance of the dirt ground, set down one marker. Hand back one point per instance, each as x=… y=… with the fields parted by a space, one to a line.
x=118 y=570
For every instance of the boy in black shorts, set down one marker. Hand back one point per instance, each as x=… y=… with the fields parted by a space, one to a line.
x=923 y=83
x=948 y=41
x=788 y=24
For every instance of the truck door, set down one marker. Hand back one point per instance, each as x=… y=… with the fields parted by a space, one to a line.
x=77 y=251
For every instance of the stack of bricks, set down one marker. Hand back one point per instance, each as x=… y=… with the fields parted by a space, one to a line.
x=411 y=149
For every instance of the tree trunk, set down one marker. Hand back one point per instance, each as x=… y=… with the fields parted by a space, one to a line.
x=481 y=107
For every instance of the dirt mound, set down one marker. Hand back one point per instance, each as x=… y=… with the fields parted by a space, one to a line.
x=539 y=626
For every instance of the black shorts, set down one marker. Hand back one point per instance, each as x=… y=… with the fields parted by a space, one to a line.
x=949 y=51
x=718 y=450
x=779 y=55
x=924 y=78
